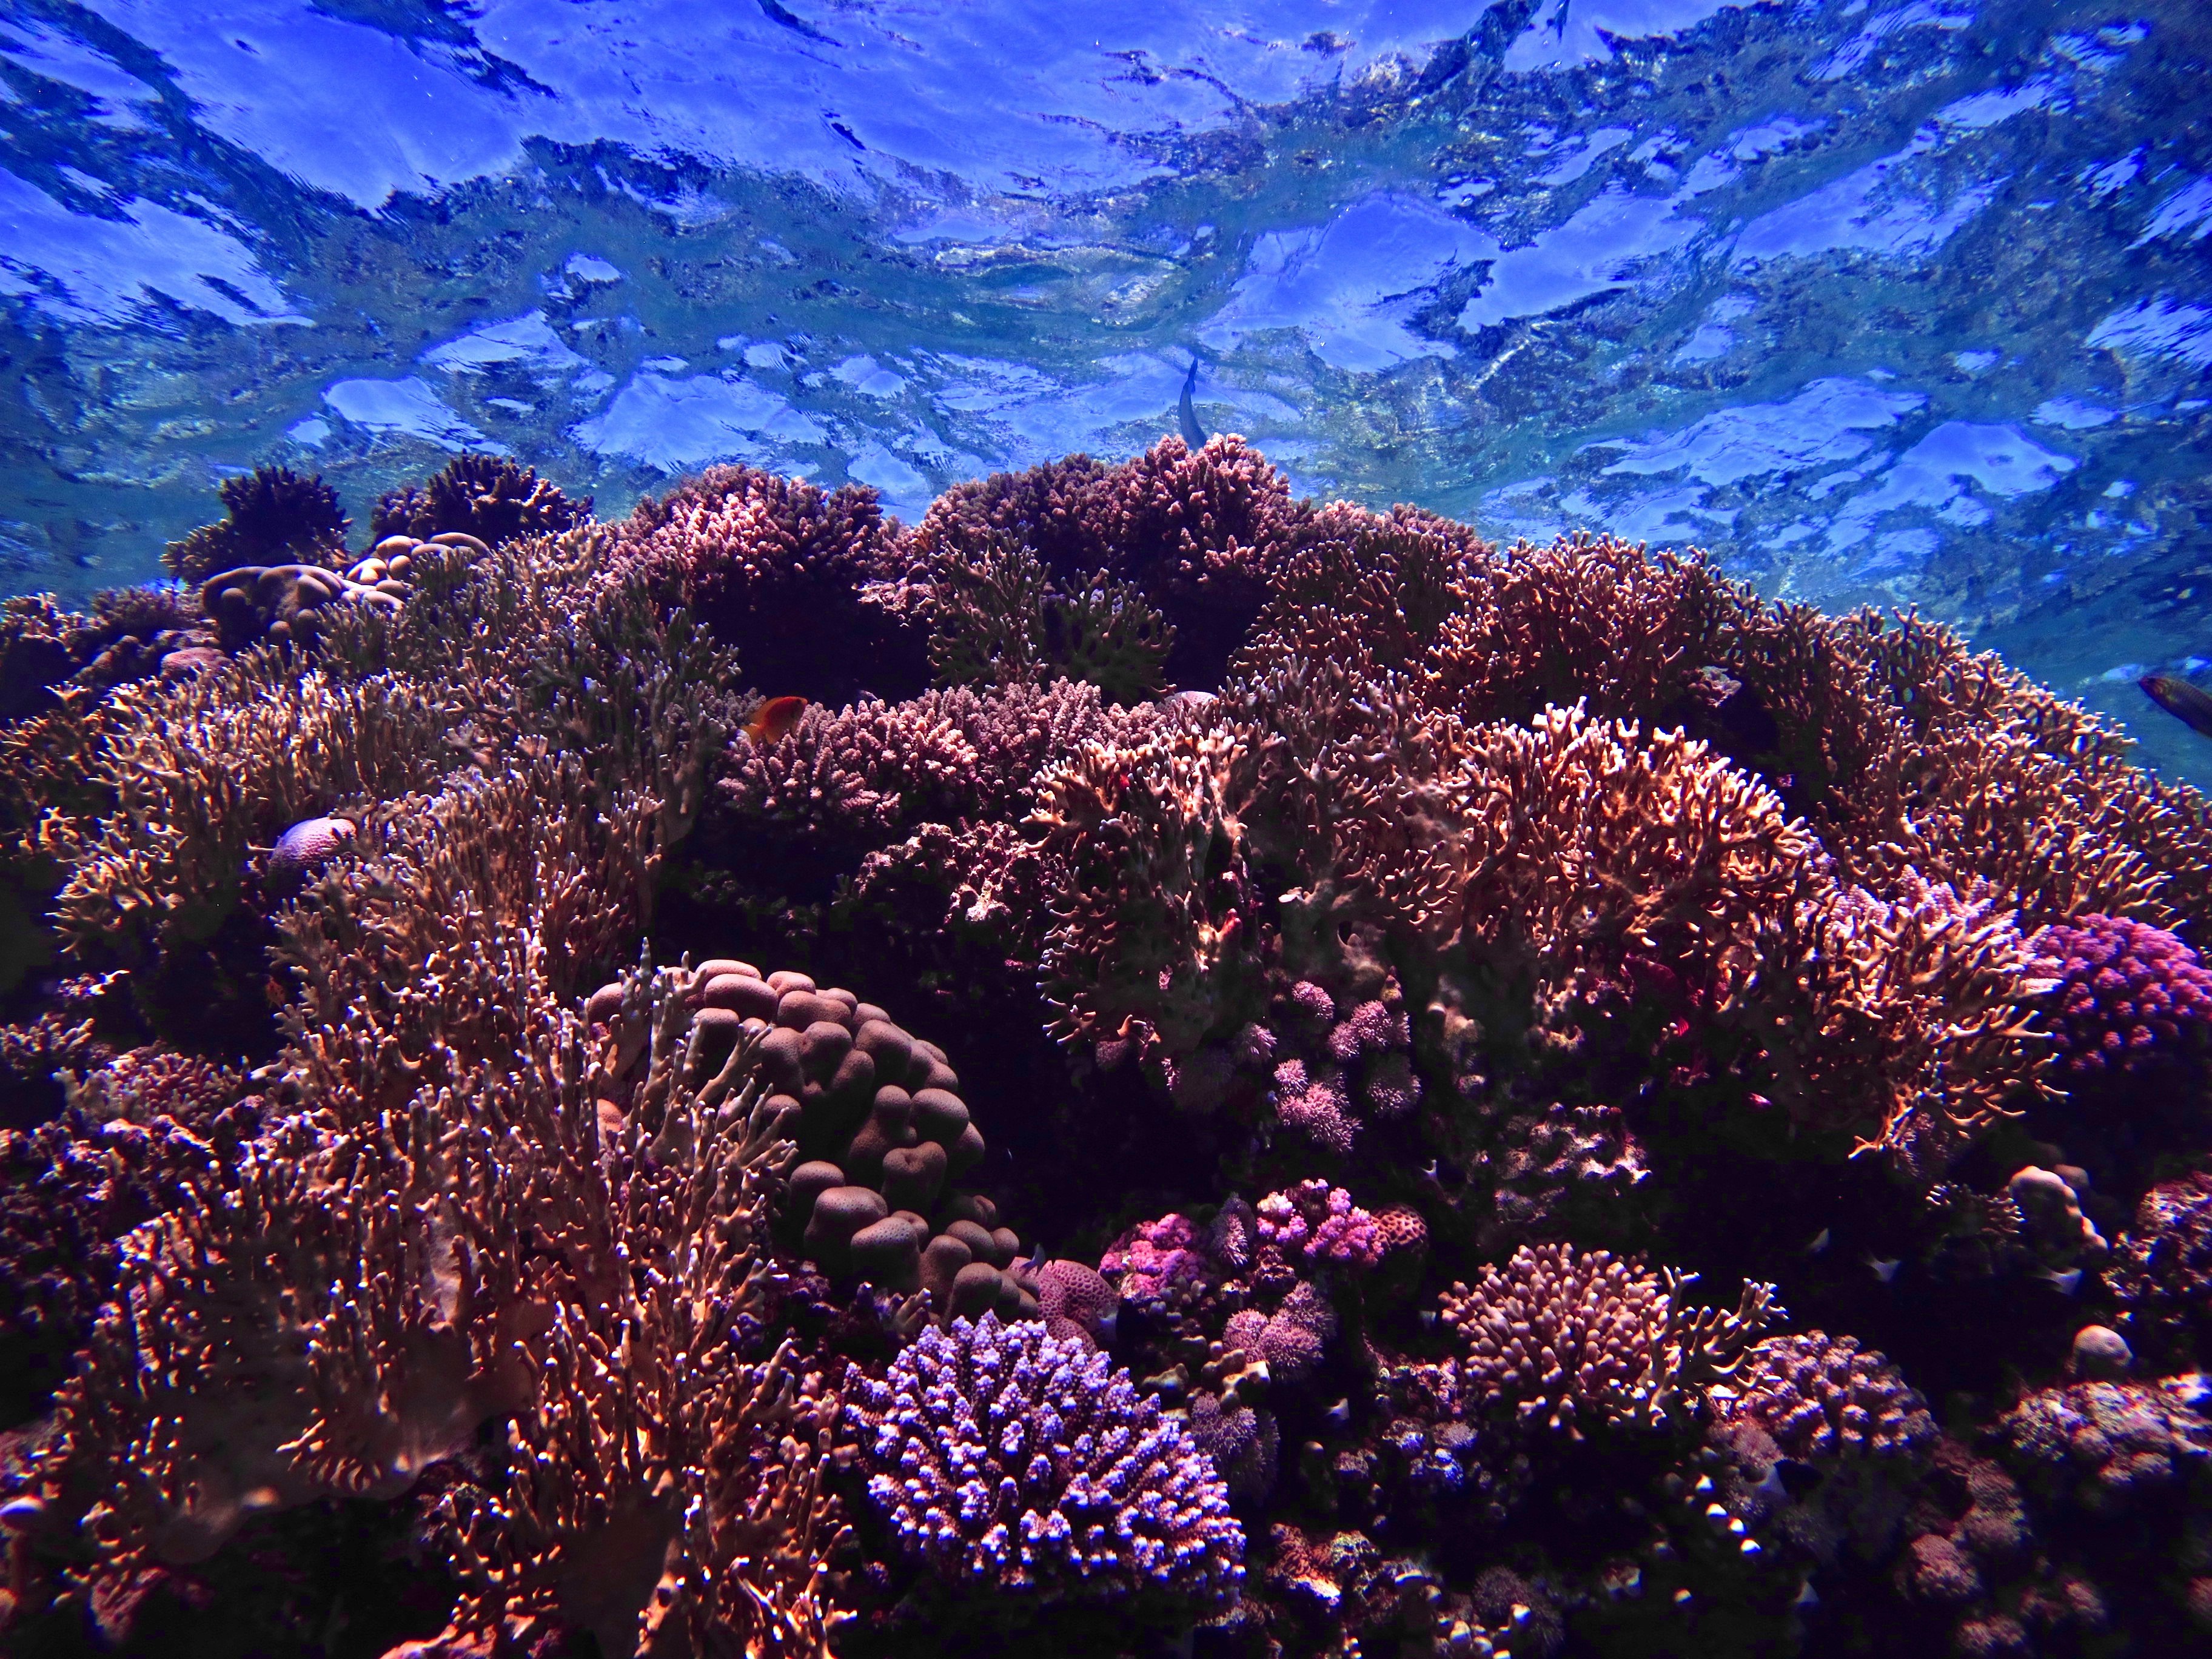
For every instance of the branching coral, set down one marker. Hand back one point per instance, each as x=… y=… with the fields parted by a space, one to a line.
x=776 y=567
x=489 y=497
x=1006 y=1459
x=1150 y=939
x=1000 y=616
x=1570 y=1338
x=273 y=516
x=188 y=776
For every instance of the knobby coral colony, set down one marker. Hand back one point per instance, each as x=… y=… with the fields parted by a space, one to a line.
x=1398 y=1097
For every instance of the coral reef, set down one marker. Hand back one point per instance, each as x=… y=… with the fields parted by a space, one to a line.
x=1369 y=955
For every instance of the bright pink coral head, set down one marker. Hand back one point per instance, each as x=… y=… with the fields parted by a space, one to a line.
x=2123 y=994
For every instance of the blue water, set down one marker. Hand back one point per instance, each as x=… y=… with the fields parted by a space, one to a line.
x=1894 y=304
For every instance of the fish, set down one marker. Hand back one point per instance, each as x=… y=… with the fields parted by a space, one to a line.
x=1885 y=1269
x=1820 y=1243
x=2191 y=704
x=774 y=719
x=2065 y=1284
x=1193 y=435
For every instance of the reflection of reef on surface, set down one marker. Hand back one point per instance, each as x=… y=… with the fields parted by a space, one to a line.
x=1398 y=1096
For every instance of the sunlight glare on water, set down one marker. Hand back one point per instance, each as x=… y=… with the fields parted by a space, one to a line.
x=1898 y=303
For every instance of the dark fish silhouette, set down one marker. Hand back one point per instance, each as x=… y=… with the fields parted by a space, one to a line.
x=774 y=717
x=1193 y=435
x=2180 y=699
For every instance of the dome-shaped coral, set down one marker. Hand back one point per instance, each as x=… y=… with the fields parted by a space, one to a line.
x=1820 y=1397
x=2124 y=994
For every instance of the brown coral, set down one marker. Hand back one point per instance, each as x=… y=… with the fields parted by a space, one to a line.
x=1153 y=911
x=781 y=569
x=489 y=497
x=1823 y=1397
x=272 y=516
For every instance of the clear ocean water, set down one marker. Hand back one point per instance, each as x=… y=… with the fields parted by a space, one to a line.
x=1907 y=304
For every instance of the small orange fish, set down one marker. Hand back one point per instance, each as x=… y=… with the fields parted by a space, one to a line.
x=774 y=719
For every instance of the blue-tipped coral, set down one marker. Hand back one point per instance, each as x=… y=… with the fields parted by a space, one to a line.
x=1006 y=1459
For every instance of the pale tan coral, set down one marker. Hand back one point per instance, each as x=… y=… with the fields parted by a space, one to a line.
x=1153 y=914
x=188 y=776
x=1566 y=841
x=1570 y=1338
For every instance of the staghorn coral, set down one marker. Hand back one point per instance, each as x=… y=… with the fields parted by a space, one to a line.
x=2124 y=996
x=271 y=516
x=1150 y=934
x=1007 y=1461
x=490 y=498
x=998 y=617
x=189 y=775
x=1573 y=1338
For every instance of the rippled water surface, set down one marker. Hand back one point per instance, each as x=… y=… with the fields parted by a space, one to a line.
x=1908 y=304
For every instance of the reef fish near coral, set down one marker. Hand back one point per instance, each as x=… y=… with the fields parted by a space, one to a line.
x=1193 y=435
x=773 y=721
x=2186 y=703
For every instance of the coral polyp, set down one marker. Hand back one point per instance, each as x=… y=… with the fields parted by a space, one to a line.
x=1141 y=1065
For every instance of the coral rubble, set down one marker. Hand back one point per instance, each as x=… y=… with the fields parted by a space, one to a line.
x=1514 y=1100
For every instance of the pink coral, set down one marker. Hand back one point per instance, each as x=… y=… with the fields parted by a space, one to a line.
x=1155 y=1259
x=2125 y=994
x=1315 y=1105
x=1368 y=1030
x=1322 y=1220
x=1291 y=1339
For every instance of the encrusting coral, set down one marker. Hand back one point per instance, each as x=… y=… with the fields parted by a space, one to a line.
x=1367 y=952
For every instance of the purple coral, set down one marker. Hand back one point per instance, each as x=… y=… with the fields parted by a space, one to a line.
x=1322 y=1221
x=1005 y=1458
x=1370 y=1028
x=1291 y=1339
x=1315 y=1105
x=1155 y=1260
x=2123 y=994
